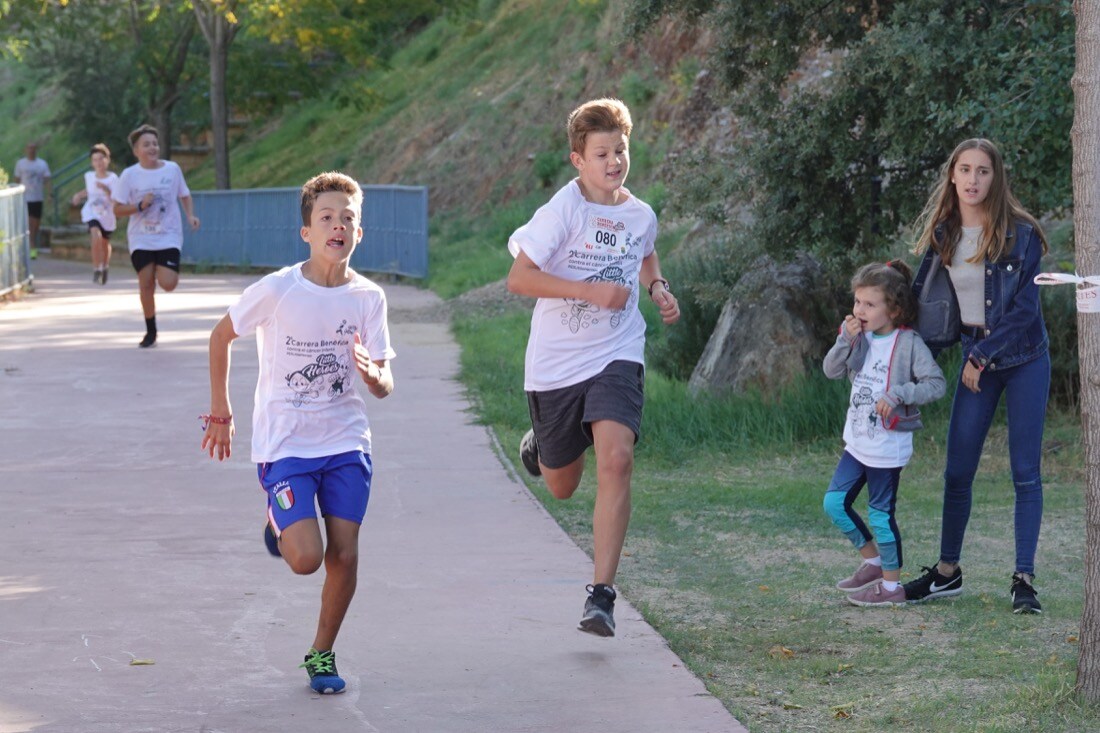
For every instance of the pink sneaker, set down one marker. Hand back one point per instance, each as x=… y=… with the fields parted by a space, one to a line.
x=865 y=576
x=876 y=595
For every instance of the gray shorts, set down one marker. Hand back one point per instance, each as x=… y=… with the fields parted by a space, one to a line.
x=562 y=418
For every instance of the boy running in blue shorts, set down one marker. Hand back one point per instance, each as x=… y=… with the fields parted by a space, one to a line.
x=317 y=323
x=588 y=255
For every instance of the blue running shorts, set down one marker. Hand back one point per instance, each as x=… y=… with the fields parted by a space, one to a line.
x=339 y=484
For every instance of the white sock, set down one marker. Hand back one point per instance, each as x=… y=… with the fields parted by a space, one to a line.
x=890 y=585
x=876 y=561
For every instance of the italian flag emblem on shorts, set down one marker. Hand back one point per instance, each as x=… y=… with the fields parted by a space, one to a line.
x=285 y=498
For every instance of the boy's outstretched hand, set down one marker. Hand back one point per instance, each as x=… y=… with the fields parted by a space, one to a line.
x=218 y=438
x=666 y=302
x=607 y=295
x=375 y=374
x=368 y=370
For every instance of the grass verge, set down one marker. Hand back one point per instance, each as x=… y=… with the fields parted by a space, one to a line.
x=731 y=558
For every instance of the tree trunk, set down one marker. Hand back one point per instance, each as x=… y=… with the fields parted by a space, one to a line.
x=219 y=103
x=219 y=26
x=1086 y=223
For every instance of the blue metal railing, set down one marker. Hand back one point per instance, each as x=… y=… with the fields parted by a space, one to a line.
x=260 y=228
x=15 y=249
x=59 y=180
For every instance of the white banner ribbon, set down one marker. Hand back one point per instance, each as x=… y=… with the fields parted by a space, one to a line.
x=1088 y=288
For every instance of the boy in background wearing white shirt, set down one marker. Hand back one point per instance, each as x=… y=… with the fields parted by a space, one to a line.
x=584 y=255
x=316 y=323
x=98 y=211
x=34 y=173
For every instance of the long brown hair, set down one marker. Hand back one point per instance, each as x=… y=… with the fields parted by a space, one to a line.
x=1000 y=206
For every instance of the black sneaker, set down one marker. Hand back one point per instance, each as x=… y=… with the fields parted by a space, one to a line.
x=529 y=453
x=103 y=276
x=271 y=542
x=95 y=276
x=149 y=340
x=599 y=610
x=932 y=585
x=1024 y=597
x=323 y=677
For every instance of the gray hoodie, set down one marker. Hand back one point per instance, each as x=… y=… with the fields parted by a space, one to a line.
x=914 y=377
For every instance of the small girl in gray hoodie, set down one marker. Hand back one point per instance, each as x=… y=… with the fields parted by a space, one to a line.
x=892 y=371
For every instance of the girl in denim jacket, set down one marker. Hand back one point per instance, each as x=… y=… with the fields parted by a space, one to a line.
x=976 y=286
x=892 y=372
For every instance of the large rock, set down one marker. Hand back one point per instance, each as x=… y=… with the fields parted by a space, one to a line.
x=773 y=325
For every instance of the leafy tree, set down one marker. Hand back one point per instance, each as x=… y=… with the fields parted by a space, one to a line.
x=116 y=63
x=841 y=165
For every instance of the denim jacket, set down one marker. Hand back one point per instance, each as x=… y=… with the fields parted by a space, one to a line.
x=1014 y=329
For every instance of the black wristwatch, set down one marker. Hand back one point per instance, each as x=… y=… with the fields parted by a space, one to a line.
x=139 y=206
x=658 y=280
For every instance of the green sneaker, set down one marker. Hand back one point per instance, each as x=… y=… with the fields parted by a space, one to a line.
x=323 y=677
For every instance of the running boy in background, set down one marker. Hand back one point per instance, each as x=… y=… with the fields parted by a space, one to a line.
x=98 y=210
x=584 y=255
x=892 y=371
x=316 y=323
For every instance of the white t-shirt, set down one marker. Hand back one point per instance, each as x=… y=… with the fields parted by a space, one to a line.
x=306 y=402
x=572 y=238
x=159 y=226
x=865 y=436
x=98 y=207
x=33 y=175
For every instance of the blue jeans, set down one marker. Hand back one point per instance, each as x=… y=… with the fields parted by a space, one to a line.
x=1025 y=388
x=882 y=496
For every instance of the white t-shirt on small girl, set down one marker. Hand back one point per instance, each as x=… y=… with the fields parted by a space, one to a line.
x=98 y=205
x=574 y=239
x=306 y=403
x=865 y=437
x=158 y=226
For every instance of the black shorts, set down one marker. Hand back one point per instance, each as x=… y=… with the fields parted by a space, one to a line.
x=562 y=418
x=142 y=258
x=94 y=224
x=34 y=209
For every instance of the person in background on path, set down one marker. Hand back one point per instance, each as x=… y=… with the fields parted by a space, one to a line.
x=976 y=285
x=587 y=255
x=892 y=371
x=318 y=323
x=147 y=192
x=34 y=173
x=98 y=211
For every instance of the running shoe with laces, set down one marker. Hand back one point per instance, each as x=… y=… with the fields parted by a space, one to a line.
x=1025 y=599
x=529 y=453
x=932 y=585
x=865 y=576
x=323 y=677
x=599 y=610
x=877 y=595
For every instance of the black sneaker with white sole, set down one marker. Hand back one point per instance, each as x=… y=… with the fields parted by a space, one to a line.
x=932 y=585
x=529 y=453
x=599 y=610
x=1025 y=599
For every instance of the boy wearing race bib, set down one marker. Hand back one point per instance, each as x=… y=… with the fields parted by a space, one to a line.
x=584 y=255
x=318 y=324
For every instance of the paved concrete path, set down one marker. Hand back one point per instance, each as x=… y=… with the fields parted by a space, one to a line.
x=120 y=540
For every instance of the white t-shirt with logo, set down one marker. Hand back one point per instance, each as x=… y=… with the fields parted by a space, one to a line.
x=572 y=238
x=865 y=436
x=98 y=206
x=33 y=175
x=307 y=405
x=159 y=225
